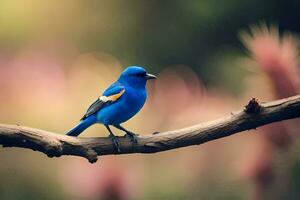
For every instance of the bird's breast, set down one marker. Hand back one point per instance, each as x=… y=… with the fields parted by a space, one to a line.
x=134 y=101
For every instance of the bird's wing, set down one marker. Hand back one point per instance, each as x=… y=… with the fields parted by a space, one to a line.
x=110 y=95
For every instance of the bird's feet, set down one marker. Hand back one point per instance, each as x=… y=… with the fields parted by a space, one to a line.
x=116 y=142
x=133 y=136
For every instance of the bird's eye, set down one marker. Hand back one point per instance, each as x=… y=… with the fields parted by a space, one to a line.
x=142 y=74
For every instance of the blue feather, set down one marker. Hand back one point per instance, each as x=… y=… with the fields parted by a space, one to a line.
x=83 y=124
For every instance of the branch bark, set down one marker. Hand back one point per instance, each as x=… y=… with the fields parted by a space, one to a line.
x=56 y=145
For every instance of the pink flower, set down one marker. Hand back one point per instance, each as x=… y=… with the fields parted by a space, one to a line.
x=277 y=56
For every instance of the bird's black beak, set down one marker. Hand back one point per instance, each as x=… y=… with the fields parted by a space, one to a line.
x=150 y=76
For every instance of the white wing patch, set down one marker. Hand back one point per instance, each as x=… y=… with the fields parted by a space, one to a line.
x=113 y=97
x=103 y=98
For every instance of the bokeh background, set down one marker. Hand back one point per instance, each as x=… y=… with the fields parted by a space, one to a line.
x=210 y=56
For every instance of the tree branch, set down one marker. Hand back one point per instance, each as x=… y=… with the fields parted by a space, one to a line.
x=254 y=115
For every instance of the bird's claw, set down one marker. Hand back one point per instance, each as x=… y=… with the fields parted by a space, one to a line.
x=116 y=142
x=133 y=137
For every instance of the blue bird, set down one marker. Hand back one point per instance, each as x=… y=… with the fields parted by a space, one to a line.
x=118 y=103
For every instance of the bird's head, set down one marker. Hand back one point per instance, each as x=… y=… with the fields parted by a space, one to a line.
x=135 y=76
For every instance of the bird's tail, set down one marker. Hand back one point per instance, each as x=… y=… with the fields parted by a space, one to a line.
x=83 y=124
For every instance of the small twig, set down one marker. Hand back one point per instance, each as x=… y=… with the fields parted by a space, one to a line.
x=55 y=145
x=253 y=106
